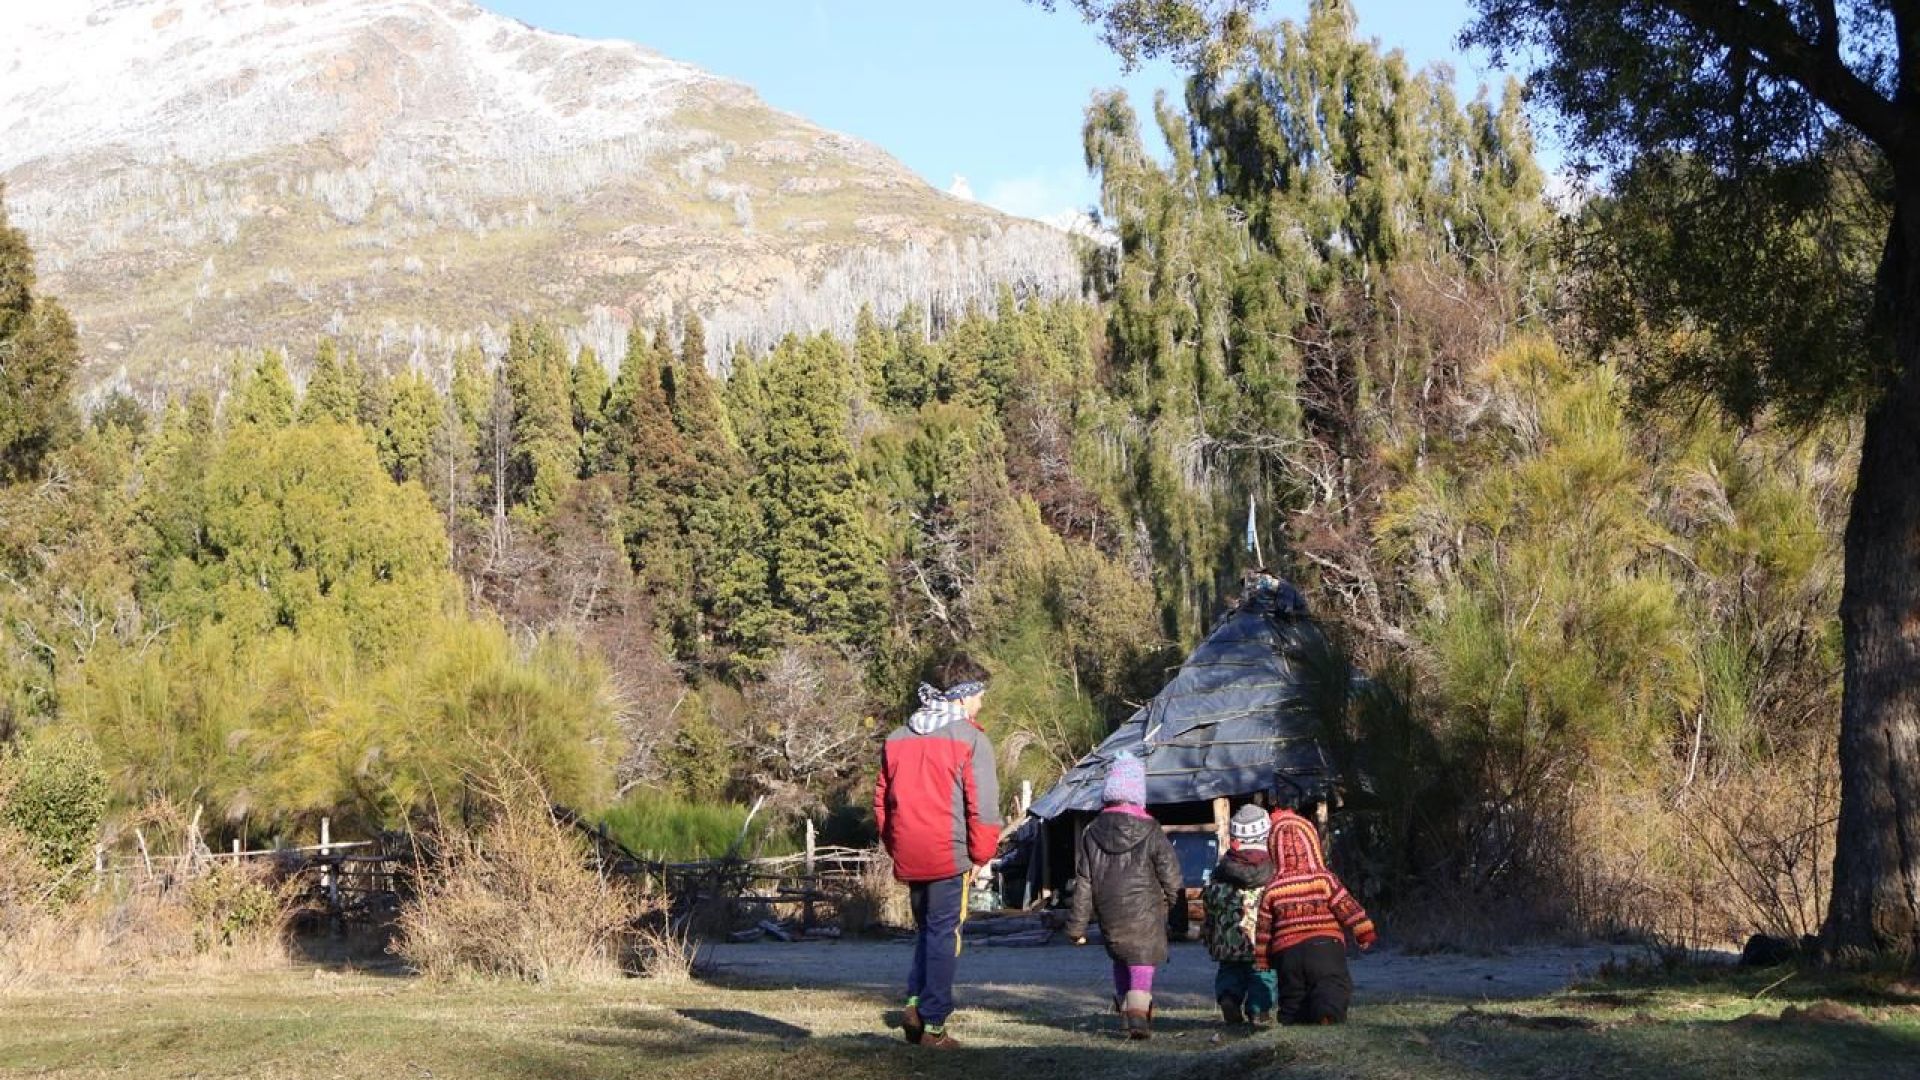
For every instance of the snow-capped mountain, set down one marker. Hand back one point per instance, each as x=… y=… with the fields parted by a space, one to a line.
x=206 y=176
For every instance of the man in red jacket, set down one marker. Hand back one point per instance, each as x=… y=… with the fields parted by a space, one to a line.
x=937 y=804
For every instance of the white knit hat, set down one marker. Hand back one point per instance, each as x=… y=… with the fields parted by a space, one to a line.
x=1250 y=825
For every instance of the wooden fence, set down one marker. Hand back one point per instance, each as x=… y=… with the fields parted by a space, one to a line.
x=367 y=880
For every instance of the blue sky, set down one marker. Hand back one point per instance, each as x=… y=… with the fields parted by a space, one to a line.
x=989 y=90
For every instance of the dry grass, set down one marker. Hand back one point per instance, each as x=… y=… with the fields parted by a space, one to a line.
x=518 y=899
x=300 y=1025
x=1676 y=862
x=876 y=900
x=201 y=919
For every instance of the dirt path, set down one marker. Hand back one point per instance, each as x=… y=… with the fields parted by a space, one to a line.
x=1009 y=977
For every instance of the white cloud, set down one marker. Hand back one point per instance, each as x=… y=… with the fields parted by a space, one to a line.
x=1044 y=196
x=960 y=189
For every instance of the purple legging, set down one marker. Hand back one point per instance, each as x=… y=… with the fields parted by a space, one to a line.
x=1131 y=977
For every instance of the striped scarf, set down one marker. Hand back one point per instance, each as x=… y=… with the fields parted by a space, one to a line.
x=938 y=708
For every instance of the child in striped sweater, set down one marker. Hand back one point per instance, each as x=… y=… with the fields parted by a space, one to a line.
x=1300 y=932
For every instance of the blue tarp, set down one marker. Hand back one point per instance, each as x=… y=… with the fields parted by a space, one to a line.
x=1232 y=722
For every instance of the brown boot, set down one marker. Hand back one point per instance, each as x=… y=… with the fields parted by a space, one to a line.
x=911 y=1024
x=939 y=1040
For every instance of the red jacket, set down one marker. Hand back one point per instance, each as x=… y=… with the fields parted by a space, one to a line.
x=1304 y=901
x=937 y=801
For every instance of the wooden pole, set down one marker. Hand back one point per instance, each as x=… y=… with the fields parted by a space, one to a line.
x=1222 y=822
x=145 y=858
x=1045 y=855
x=327 y=880
x=1026 y=797
x=810 y=847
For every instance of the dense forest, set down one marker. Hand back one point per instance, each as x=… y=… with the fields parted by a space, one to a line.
x=1599 y=617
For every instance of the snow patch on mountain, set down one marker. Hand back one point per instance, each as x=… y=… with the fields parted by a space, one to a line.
x=213 y=81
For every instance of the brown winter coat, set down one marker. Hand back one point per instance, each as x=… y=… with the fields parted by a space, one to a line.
x=1127 y=876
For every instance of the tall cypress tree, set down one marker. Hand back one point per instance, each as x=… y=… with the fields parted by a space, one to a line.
x=659 y=473
x=546 y=449
x=265 y=395
x=472 y=390
x=825 y=566
x=333 y=393
x=590 y=391
x=714 y=511
x=38 y=357
x=372 y=393
x=872 y=348
x=910 y=373
x=415 y=414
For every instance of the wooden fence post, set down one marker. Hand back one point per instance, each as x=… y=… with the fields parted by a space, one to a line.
x=1222 y=823
x=810 y=847
x=328 y=881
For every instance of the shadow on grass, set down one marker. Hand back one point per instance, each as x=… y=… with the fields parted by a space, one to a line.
x=360 y=949
x=745 y=1023
x=1497 y=1044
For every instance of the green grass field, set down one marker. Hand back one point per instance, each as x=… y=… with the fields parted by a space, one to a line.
x=321 y=1024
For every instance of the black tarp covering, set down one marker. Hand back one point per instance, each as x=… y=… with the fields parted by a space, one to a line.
x=1232 y=722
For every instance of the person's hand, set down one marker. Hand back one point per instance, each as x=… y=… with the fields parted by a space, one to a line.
x=1365 y=940
x=1081 y=940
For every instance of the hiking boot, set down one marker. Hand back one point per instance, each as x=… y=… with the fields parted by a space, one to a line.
x=1261 y=1019
x=1232 y=1012
x=911 y=1024
x=938 y=1040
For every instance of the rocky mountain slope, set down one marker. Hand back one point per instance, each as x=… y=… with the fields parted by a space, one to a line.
x=204 y=177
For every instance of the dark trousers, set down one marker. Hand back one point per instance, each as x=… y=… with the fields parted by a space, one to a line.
x=1314 y=986
x=939 y=907
x=1248 y=992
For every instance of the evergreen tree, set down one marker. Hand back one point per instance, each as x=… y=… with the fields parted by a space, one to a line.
x=659 y=474
x=1763 y=129
x=964 y=352
x=910 y=372
x=371 y=397
x=415 y=414
x=590 y=391
x=546 y=448
x=825 y=567
x=172 y=507
x=714 y=511
x=38 y=357
x=472 y=391
x=333 y=391
x=1256 y=293
x=303 y=531
x=264 y=397
x=872 y=347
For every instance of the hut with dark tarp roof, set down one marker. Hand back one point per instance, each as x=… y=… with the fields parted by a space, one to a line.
x=1237 y=723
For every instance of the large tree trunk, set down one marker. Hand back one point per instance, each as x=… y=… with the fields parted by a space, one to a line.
x=1876 y=864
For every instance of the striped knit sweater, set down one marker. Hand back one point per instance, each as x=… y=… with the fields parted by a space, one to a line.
x=1305 y=901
